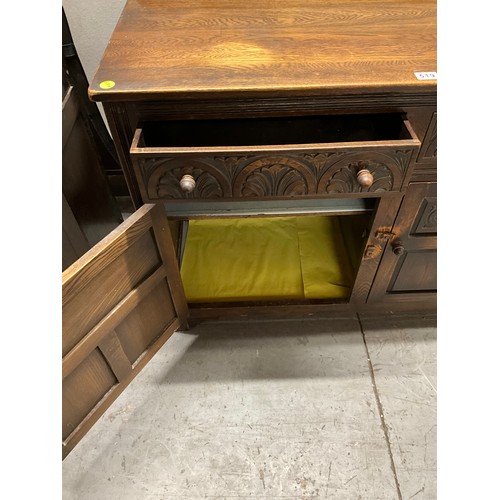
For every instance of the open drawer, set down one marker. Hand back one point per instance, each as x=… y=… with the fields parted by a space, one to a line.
x=259 y=158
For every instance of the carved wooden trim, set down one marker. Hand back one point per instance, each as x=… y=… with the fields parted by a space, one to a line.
x=424 y=173
x=428 y=150
x=275 y=176
x=162 y=176
x=272 y=174
x=388 y=170
x=426 y=222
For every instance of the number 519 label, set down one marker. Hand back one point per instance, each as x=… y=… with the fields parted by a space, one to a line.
x=426 y=75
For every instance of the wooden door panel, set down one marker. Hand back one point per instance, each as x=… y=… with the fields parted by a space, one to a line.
x=86 y=307
x=407 y=280
x=410 y=272
x=120 y=302
x=384 y=216
x=426 y=219
x=84 y=388
x=155 y=309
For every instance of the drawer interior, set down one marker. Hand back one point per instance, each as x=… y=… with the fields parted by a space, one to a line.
x=299 y=258
x=274 y=131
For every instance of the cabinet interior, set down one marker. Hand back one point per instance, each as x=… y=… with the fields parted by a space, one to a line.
x=274 y=130
x=300 y=258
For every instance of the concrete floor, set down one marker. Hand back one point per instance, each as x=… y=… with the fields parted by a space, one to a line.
x=324 y=408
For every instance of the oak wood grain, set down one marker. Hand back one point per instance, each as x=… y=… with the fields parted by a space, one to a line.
x=112 y=350
x=117 y=310
x=185 y=47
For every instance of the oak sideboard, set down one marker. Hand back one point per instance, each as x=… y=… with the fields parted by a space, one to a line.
x=240 y=127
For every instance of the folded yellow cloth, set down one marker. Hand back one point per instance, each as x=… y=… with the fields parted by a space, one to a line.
x=325 y=263
x=265 y=259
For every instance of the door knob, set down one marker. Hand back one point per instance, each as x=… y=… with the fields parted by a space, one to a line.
x=187 y=183
x=364 y=177
x=397 y=247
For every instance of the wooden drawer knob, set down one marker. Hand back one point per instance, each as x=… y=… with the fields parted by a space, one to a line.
x=187 y=183
x=365 y=177
x=397 y=247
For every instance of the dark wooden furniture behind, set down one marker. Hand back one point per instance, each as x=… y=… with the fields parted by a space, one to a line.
x=89 y=211
x=225 y=108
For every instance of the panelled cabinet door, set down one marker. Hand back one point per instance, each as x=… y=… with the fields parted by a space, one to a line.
x=408 y=269
x=120 y=302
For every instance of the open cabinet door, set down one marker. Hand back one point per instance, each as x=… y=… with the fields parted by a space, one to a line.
x=120 y=302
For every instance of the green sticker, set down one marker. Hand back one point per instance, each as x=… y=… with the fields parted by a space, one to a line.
x=107 y=84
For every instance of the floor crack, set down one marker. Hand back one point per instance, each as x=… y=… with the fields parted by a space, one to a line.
x=380 y=410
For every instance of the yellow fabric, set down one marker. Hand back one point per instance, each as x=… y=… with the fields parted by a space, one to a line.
x=326 y=269
x=265 y=259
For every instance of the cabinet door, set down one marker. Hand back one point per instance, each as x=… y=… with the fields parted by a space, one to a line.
x=120 y=302
x=408 y=269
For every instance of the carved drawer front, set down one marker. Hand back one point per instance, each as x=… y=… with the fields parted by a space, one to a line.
x=272 y=157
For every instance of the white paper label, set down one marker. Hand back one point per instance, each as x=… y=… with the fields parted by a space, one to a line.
x=426 y=75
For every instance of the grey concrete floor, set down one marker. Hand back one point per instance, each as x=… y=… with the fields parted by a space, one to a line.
x=317 y=408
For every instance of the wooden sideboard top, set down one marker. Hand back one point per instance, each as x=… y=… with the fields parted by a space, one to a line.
x=167 y=49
